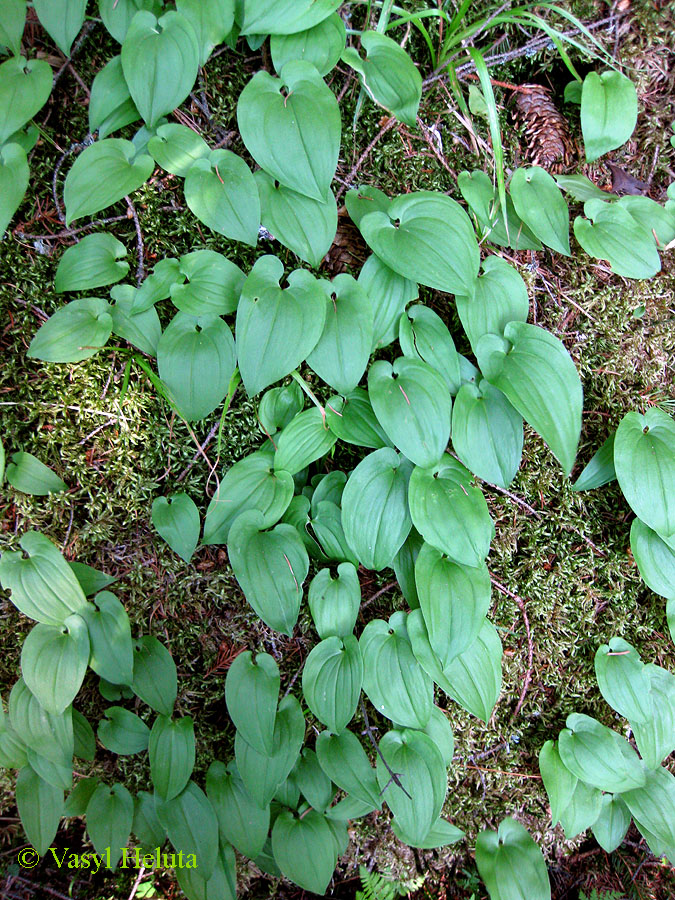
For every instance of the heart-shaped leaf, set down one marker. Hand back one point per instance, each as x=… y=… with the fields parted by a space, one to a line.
x=110 y=104
x=40 y=807
x=440 y=834
x=599 y=756
x=155 y=677
x=110 y=814
x=112 y=655
x=394 y=681
x=12 y=23
x=123 y=732
x=423 y=335
x=279 y=406
x=654 y=558
x=270 y=568
x=252 y=694
x=454 y=600
x=608 y=112
x=304 y=225
x=54 y=661
x=344 y=760
x=25 y=86
x=539 y=203
x=482 y=197
x=304 y=439
x=142 y=329
x=414 y=406
x=221 y=191
x=30 y=476
x=62 y=20
x=101 y=175
x=160 y=59
x=192 y=826
x=618 y=237
x=14 y=176
x=171 y=751
x=75 y=332
x=388 y=75
x=334 y=602
x=610 y=828
x=91 y=263
x=276 y=329
x=176 y=518
x=304 y=849
x=389 y=293
x=290 y=147
x=352 y=419
x=487 y=433
x=427 y=238
x=655 y=738
x=511 y=864
x=320 y=45
x=117 y=14
x=176 y=148
x=375 y=507
x=212 y=21
x=251 y=483
x=450 y=511
x=644 y=459
x=332 y=679
x=196 y=359
x=240 y=820
x=539 y=378
x=281 y=16
x=213 y=284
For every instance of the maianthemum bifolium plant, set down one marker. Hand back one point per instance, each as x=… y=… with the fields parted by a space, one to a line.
x=409 y=504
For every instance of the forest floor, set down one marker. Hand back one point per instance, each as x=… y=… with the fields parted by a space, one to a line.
x=563 y=574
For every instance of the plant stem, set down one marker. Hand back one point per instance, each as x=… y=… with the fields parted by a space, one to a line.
x=307 y=389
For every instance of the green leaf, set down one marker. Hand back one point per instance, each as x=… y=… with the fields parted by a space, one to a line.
x=221 y=191
x=364 y=199
x=155 y=678
x=62 y=20
x=192 y=827
x=103 y=173
x=600 y=469
x=43 y=587
x=110 y=638
x=558 y=780
x=511 y=864
x=653 y=217
x=83 y=736
x=599 y=756
x=176 y=148
x=45 y=735
x=263 y=774
x=388 y=75
x=30 y=476
x=250 y=484
x=623 y=680
x=305 y=439
x=12 y=23
x=142 y=329
x=352 y=419
x=270 y=567
x=394 y=681
x=608 y=112
x=654 y=558
x=644 y=458
x=214 y=284
x=581 y=188
x=276 y=329
x=165 y=275
x=220 y=886
x=332 y=679
x=14 y=177
x=25 y=86
x=334 y=602
x=304 y=225
x=79 y=797
x=320 y=45
x=610 y=828
x=240 y=820
x=91 y=263
x=110 y=814
x=440 y=834
x=212 y=21
x=539 y=378
x=54 y=661
x=196 y=357
x=389 y=293
x=329 y=532
x=542 y=207
x=482 y=197
x=450 y=511
x=652 y=805
x=487 y=433
x=314 y=784
x=423 y=335
x=404 y=567
x=582 y=811
x=344 y=761
x=279 y=406
x=655 y=738
x=281 y=16
x=90 y=580
x=454 y=600
x=171 y=750
x=304 y=849
x=619 y=238
x=117 y=14
x=428 y=238
x=74 y=332
x=148 y=829
x=251 y=694
x=176 y=518
x=40 y=808
x=290 y=147
x=439 y=730
x=110 y=104
x=375 y=507
x=412 y=402
x=123 y=732
x=160 y=59
x=421 y=772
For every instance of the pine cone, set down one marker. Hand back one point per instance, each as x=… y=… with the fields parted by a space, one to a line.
x=349 y=250
x=549 y=144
